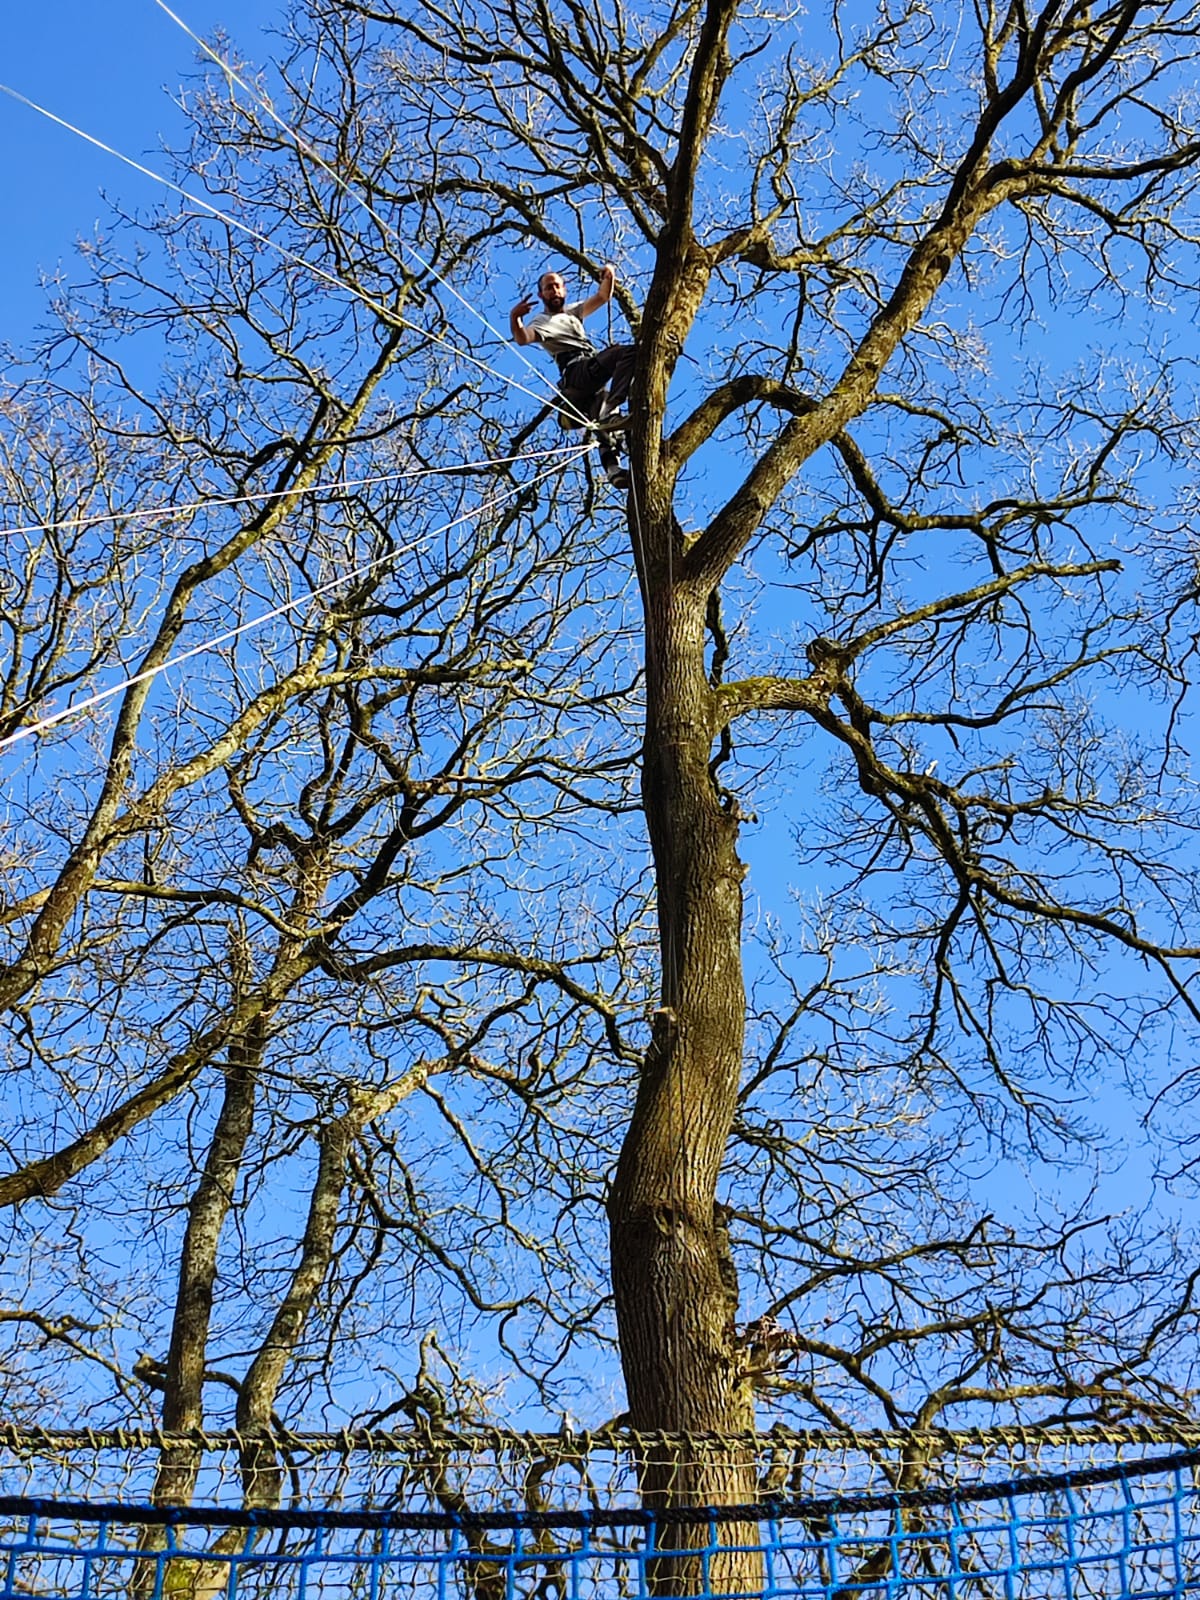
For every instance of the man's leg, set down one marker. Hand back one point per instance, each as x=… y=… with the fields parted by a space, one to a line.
x=586 y=378
x=584 y=384
x=615 y=366
x=610 y=462
x=575 y=410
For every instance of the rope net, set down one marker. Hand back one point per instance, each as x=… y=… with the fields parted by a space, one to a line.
x=1009 y=1513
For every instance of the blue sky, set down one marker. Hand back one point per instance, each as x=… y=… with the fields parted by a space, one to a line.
x=111 y=68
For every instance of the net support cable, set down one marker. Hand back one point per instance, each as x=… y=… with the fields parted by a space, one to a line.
x=254 y=497
x=391 y=317
x=213 y=643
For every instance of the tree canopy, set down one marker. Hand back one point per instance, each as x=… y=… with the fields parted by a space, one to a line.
x=390 y=1013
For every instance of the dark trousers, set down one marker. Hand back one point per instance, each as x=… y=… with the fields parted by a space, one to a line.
x=584 y=381
x=611 y=368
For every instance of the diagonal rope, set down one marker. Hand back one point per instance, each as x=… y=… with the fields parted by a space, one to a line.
x=207 y=645
x=392 y=318
x=163 y=513
x=303 y=146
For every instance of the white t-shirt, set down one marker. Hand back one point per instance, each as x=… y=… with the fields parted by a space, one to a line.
x=562 y=332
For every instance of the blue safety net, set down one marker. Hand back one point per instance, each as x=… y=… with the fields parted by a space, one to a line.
x=1131 y=1528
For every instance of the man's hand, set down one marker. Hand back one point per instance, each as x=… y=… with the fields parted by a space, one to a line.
x=522 y=309
x=608 y=279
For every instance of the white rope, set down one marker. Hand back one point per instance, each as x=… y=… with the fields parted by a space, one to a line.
x=267 y=616
x=160 y=513
x=380 y=310
x=307 y=149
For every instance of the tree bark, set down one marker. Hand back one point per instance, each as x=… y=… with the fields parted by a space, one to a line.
x=673 y=1278
x=262 y=1476
x=183 y=1396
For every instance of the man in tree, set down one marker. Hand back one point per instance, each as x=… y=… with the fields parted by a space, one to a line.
x=585 y=373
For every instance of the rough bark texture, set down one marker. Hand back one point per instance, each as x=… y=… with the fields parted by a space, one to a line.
x=676 y=1292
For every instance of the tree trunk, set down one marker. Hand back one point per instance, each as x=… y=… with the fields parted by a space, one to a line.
x=183 y=1381
x=183 y=1393
x=673 y=1277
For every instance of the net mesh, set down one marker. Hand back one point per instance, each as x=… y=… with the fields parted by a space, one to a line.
x=1019 y=1515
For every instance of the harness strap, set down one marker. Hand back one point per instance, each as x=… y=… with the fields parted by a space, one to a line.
x=566 y=359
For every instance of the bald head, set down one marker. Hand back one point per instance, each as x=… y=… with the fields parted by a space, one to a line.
x=553 y=291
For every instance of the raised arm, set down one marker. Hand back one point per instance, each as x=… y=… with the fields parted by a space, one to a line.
x=603 y=292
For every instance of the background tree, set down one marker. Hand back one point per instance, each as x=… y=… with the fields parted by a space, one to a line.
x=294 y=888
x=879 y=508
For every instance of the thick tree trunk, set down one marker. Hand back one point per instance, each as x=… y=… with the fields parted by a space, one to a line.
x=673 y=1278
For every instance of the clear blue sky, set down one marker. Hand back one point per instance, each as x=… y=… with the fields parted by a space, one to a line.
x=113 y=68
